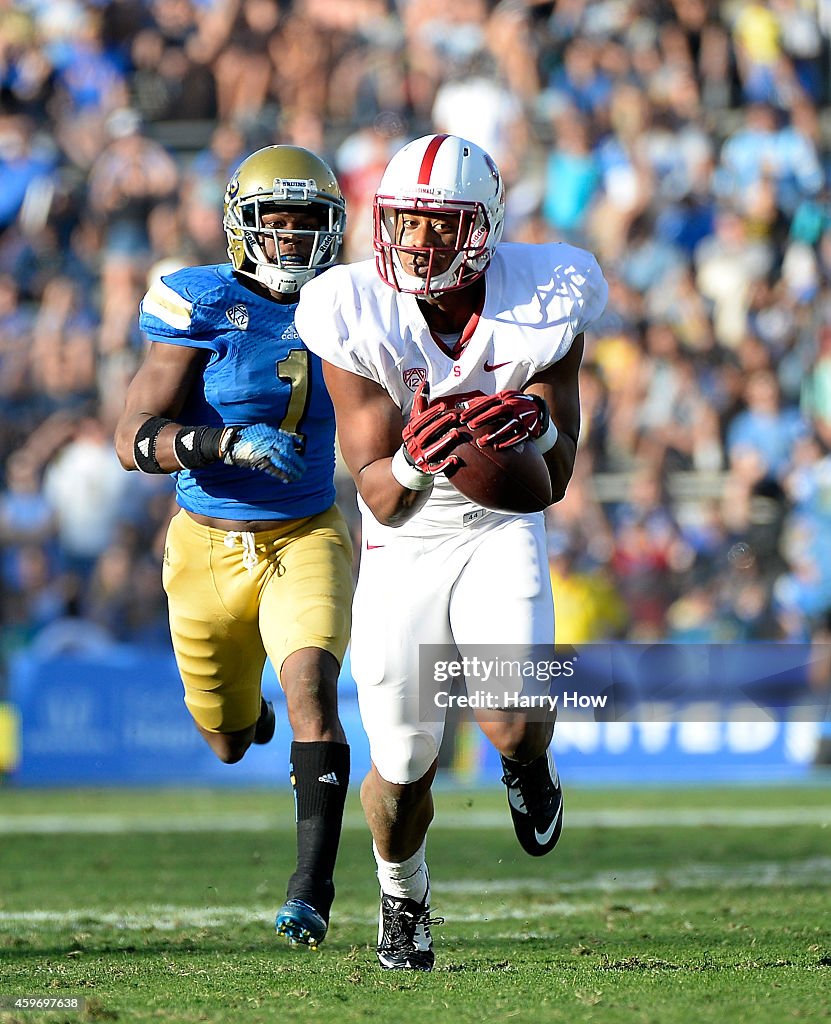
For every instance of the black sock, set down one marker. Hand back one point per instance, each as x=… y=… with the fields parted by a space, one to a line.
x=320 y=778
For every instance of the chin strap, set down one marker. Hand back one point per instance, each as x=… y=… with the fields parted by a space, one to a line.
x=276 y=280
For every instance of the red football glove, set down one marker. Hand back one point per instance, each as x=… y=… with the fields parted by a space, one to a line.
x=514 y=416
x=431 y=433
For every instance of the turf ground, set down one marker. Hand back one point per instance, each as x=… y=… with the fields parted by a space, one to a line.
x=657 y=906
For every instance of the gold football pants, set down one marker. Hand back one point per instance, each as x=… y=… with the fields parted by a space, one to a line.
x=235 y=598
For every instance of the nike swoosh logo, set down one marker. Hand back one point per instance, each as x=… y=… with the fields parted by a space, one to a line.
x=490 y=367
x=543 y=837
x=374 y=547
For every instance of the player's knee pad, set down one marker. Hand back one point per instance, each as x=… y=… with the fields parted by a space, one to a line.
x=402 y=759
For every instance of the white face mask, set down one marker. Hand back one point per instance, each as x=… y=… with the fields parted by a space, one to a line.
x=448 y=280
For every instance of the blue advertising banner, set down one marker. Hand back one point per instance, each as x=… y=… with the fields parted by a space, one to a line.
x=672 y=713
x=117 y=717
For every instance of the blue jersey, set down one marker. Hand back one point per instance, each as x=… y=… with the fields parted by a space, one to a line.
x=258 y=371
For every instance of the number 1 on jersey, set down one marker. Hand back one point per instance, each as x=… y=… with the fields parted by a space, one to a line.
x=295 y=369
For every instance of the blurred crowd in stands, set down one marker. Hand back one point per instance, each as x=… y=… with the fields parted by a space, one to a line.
x=685 y=142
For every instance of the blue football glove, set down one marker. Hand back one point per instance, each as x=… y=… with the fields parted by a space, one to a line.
x=265 y=448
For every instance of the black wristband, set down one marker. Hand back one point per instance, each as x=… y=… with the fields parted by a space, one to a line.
x=200 y=446
x=144 y=446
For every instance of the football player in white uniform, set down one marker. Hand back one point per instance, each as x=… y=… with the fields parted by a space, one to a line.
x=446 y=311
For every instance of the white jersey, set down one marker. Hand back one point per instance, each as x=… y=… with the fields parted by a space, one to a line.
x=538 y=298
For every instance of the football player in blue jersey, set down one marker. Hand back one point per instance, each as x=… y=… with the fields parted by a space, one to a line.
x=257 y=561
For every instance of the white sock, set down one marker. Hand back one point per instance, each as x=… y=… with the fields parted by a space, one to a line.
x=407 y=880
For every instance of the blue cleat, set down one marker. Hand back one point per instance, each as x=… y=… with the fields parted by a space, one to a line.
x=301 y=924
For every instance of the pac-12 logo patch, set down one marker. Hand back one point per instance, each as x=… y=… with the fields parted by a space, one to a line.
x=414 y=375
x=238 y=316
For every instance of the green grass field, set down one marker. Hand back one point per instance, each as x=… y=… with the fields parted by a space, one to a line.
x=658 y=906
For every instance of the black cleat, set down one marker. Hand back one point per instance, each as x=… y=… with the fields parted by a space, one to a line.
x=404 y=941
x=536 y=801
x=266 y=723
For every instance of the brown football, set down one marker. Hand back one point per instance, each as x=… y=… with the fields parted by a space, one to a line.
x=508 y=480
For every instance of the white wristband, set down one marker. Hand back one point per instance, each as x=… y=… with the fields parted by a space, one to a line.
x=407 y=475
x=545 y=442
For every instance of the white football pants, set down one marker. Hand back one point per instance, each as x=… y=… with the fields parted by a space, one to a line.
x=487 y=583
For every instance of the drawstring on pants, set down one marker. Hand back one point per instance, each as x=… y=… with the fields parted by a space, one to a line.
x=249 y=547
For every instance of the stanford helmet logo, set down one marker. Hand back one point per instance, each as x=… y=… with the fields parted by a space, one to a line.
x=414 y=375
